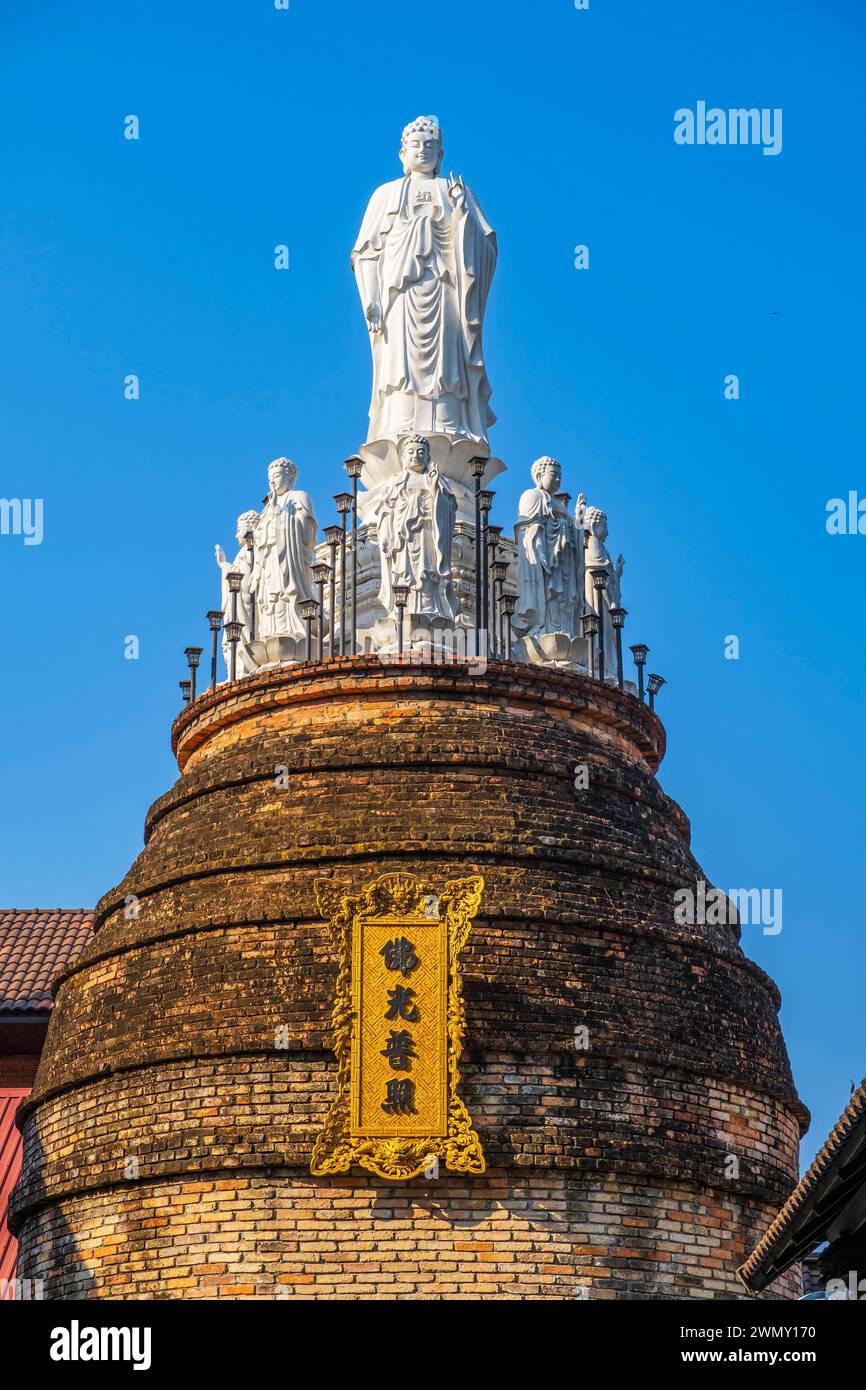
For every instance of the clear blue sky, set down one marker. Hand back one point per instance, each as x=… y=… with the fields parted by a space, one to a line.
x=261 y=127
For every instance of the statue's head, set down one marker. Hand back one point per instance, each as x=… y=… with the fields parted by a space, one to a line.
x=421 y=146
x=247 y=521
x=282 y=474
x=547 y=474
x=415 y=452
x=595 y=520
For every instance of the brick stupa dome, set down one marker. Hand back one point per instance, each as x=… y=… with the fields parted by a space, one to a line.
x=614 y=1061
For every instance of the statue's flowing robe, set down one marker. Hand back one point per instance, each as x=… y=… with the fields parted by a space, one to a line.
x=284 y=542
x=415 y=531
x=548 y=565
x=241 y=566
x=434 y=272
x=598 y=557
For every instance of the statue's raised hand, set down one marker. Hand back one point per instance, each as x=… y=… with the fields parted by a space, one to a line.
x=373 y=315
x=457 y=193
x=220 y=555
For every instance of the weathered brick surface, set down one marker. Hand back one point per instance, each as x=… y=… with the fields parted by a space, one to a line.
x=505 y=1235
x=643 y=1163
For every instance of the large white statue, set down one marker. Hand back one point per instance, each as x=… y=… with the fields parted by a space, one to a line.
x=414 y=519
x=284 y=542
x=594 y=520
x=549 y=558
x=424 y=261
x=247 y=522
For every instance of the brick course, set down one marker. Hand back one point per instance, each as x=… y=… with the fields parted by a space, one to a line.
x=609 y=1165
x=507 y=1235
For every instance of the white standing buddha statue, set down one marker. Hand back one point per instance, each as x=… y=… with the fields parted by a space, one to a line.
x=284 y=542
x=597 y=557
x=247 y=523
x=424 y=261
x=549 y=557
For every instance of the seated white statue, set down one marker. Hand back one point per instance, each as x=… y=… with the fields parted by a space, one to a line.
x=284 y=543
x=549 y=558
x=414 y=519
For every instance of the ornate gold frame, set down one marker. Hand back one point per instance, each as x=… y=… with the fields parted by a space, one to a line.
x=400 y=897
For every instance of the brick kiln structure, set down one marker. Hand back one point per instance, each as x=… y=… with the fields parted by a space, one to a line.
x=168 y=1140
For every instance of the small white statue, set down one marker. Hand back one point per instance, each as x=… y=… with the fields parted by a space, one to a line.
x=414 y=519
x=284 y=543
x=597 y=557
x=247 y=522
x=424 y=261
x=549 y=557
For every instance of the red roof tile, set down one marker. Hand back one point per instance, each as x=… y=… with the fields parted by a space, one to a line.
x=34 y=945
x=10 y=1164
x=853 y=1116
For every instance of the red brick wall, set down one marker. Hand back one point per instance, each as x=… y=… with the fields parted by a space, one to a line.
x=168 y=1142
x=506 y=1235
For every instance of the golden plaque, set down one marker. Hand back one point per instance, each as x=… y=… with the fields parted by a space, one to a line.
x=398 y=1023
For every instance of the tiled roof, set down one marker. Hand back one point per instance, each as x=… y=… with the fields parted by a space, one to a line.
x=752 y=1273
x=10 y=1163
x=34 y=945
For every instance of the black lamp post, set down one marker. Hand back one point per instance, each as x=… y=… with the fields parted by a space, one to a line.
x=499 y=571
x=215 y=620
x=185 y=691
x=509 y=603
x=235 y=580
x=401 y=598
x=309 y=609
x=332 y=536
x=353 y=467
x=193 y=657
x=618 y=617
x=491 y=538
x=639 y=651
x=248 y=537
x=478 y=466
x=233 y=633
x=599 y=584
x=589 y=622
x=654 y=684
x=344 y=506
x=485 y=502
x=320 y=579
